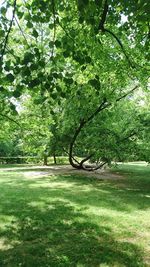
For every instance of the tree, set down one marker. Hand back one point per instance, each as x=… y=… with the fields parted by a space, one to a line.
x=80 y=57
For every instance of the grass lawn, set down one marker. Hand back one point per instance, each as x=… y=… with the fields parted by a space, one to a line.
x=68 y=220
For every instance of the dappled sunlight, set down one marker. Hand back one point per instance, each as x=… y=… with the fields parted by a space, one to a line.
x=57 y=235
x=70 y=220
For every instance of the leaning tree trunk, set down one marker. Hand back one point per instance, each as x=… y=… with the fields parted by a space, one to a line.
x=79 y=165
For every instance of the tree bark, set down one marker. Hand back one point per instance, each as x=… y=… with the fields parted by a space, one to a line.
x=45 y=160
x=55 y=160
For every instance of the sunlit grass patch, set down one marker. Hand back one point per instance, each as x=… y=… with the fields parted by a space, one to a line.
x=68 y=220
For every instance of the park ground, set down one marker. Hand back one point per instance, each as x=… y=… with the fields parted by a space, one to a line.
x=58 y=217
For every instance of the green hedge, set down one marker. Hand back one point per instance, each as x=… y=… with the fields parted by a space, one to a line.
x=19 y=160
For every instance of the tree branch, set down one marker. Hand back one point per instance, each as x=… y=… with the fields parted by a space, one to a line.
x=103 y=18
x=54 y=21
x=101 y=107
x=9 y=30
x=121 y=45
x=128 y=93
x=21 y=31
x=84 y=160
x=103 y=29
x=10 y=119
x=72 y=156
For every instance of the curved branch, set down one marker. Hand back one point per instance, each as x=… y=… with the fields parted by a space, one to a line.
x=84 y=160
x=101 y=107
x=100 y=166
x=89 y=168
x=103 y=29
x=9 y=30
x=121 y=45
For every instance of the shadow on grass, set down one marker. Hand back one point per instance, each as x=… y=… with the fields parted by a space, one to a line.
x=61 y=235
x=49 y=227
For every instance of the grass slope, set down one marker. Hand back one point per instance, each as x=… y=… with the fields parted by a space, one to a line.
x=61 y=221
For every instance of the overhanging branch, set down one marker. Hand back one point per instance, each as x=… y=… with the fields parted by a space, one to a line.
x=9 y=30
x=102 y=28
x=83 y=122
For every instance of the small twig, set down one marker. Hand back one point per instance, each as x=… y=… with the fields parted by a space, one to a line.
x=21 y=31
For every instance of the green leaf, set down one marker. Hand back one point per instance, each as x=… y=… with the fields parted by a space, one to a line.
x=66 y=53
x=10 y=77
x=35 y=33
x=88 y=59
x=34 y=82
x=29 y=25
x=55 y=75
x=54 y=96
x=58 y=88
x=41 y=63
x=3 y=11
x=2 y=33
x=17 y=93
x=2 y=89
x=57 y=43
x=13 y=108
x=27 y=72
x=28 y=57
x=51 y=44
x=94 y=83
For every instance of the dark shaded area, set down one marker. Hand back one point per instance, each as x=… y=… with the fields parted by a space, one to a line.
x=52 y=232
x=55 y=238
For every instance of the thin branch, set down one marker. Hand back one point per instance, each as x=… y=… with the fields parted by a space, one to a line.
x=84 y=160
x=103 y=29
x=128 y=93
x=102 y=106
x=72 y=156
x=21 y=31
x=89 y=168
x=100 y=166
x=10 y=119
x=121 y=45
x=9 y=30
x=54 y=31
x=9 y=51
x=66 y=31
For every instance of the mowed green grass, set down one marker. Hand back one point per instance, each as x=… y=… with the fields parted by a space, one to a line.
x=61 y=221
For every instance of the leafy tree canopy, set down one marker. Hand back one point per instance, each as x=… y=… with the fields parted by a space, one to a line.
x=80 y=59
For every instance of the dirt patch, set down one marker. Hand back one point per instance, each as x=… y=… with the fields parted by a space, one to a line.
x=38 y=171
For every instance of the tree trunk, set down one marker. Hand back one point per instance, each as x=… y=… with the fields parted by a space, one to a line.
x=104 y=105
x=55 y=160
x=45 y=160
